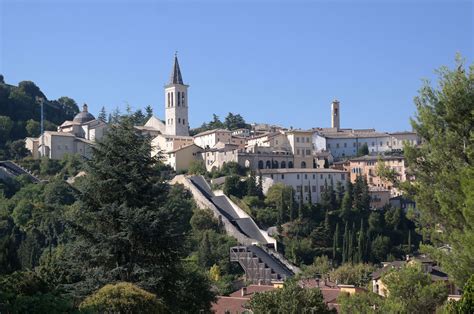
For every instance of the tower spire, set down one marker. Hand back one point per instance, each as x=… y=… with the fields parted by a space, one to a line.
x=176 y=77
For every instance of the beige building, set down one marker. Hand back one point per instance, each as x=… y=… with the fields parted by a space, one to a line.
x=366 y=166
x=209 y=139
x=301 y=147
x=215 y=158
x=73 y=137
x=180 y=159
x=166 y=143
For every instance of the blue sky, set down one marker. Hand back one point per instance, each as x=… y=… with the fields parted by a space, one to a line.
x=271 y=61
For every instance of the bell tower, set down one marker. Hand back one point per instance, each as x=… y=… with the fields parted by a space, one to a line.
x=176 y=103
x=335 y=115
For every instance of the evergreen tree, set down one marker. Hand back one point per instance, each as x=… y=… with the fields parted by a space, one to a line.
x=252 y=188
x=149 y=112
x=339 y=194
x=409 y=241
x=346 y=205
x=291 y=205
x=130 y=225
x=345 y=243
x=365 y=196
x=260 y=184
x=361 y=258
x=335 y=245
x=102 y=114
x=300 y=205
x=310 y=198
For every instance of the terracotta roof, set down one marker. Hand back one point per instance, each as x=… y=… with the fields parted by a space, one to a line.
x=376 y=157
x=229 y=304
x=251 y=290
x=183 y=147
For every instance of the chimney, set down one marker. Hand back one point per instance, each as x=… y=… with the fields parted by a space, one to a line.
x=243 y=291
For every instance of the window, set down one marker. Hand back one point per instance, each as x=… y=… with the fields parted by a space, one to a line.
x=298 y=176
x=172 y=103
x=321 y=188
x=314 y=176
x=373 y=144
x=329 y=145
x=306 y=189
x=354 y=144
x=179 y=120
x=297 y=152
x=179 y=98
x=171 y=120
x=297 y=139
x=313 y=188
x=169 y=100
x=305 y=176
x=307 y=140
x=298 y=188
x=308 y=152
x=345 y=144
x=321 y=176
x=337 y=145
x=182 y=98
x=184 y=122
x=380 y=143
x=282 y=176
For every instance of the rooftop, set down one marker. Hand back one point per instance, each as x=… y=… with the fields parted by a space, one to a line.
x=300 y=170
x=377 y=157
x=211 y=132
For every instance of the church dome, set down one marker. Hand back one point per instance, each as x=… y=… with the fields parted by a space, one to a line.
x=84 y=116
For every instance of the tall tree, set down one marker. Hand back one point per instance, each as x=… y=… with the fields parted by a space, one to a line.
x=102 y=114
x=444 y=167
x=149 y=112
x=130 y=225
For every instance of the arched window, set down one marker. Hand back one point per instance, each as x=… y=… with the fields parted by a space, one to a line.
x=172 y=101
x=268 y=164
x=275 y=164
x=260 y=164
x=184 y=121
x=169 y=99
x=283 y=164
x=179 y=98
x=303 y=164
x=182 y=99
x=179 y=120
x=290 y=164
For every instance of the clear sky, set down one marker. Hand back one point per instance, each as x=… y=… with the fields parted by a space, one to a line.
x=279 y=62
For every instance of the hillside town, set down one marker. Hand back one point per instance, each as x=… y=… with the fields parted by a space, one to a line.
x=325 y=213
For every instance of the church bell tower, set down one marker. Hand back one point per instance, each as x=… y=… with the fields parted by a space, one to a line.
x=176 y=103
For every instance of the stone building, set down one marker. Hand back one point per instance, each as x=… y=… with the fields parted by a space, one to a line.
x=72 y=137
x=305 y=181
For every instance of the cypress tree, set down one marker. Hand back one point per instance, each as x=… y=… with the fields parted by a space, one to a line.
x=345 y=244
x=335 y=244
x=409 y=241
x=300 y=207
x=310 y=199
x=291 y=206
x=360 y=245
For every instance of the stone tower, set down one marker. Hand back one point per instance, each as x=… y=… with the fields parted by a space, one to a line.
x=335 y=114
x=176 y=103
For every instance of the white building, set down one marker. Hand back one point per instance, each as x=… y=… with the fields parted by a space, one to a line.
x=309 y=180
x=73 y=137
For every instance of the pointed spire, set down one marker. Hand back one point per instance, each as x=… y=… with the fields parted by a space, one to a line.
x=176 y=77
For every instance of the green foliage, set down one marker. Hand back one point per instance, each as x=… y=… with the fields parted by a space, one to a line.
x=231 y=122
x=197 y=167
x=290 y=299
x=366 y=302
x=413 y=289
x=443 y=167
x=319 y=269
x=363 y=150
x=348 y=274
x=122 y=297
x=465 y=304
x=26 y=292
x=234 y=186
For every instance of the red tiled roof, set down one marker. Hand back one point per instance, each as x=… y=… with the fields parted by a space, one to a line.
x=229 y=304
x=252 y=289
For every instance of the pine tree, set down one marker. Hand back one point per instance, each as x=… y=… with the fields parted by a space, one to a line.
x=102 y=114
x=310 y=198
x=149 y=112
x=252 y=188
